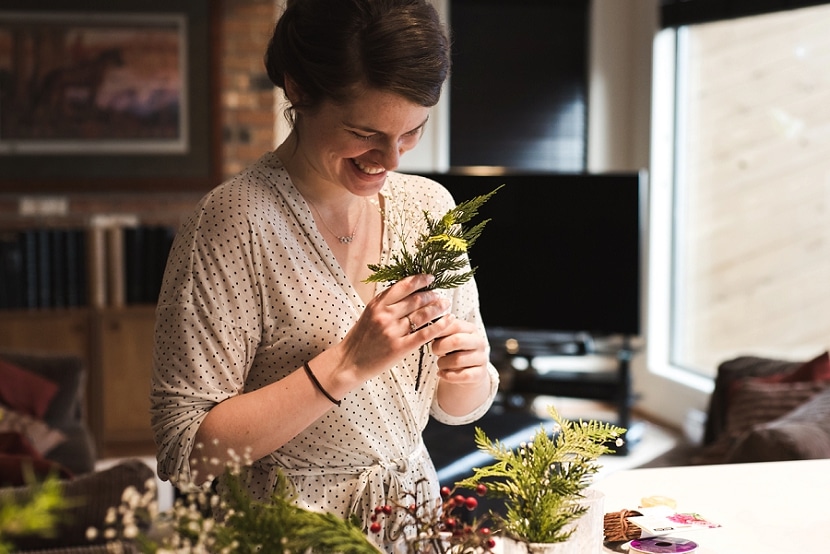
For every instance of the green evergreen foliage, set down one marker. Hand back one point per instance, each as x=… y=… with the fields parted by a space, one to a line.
x=39 y=515
x=543 y=481
x=440 y=251
x=228 y=519
x=280 y=526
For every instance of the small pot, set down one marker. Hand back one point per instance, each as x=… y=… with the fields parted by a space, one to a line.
x=586 y=538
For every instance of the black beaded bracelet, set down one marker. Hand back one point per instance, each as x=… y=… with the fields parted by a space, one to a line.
x=318 y=385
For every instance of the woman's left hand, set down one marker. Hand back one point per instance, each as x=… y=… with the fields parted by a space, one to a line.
x=462 y=354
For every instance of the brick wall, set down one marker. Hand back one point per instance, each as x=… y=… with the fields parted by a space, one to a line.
x=248 y=98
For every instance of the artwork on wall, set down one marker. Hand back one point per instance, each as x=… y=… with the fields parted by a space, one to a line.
x=110 y=83
x=107 y=96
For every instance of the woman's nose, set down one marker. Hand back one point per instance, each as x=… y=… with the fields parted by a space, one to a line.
x=392 y=153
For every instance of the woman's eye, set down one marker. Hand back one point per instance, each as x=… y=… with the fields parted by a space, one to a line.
x=361 y=137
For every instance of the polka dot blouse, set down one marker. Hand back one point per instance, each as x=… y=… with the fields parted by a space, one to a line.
x=251 y=291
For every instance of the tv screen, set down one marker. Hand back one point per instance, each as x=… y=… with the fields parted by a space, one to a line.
x=561 y=253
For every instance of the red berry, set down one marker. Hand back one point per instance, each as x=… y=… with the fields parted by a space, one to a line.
x=471 y=503
x=378 y=509
x=445 y=492
x=373 y=517
x=481 y=490
x=387 y=509
x=491 y=543
x=459 y=499
x=375 y=527
x=484 y=531
x=449 y=523
x=413 y=508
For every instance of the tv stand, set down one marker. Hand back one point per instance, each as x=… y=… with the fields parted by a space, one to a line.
x=611 y=383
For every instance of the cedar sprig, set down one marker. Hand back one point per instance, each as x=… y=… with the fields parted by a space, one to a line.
x=543 y=481
x=281 y=526
x=441 y=250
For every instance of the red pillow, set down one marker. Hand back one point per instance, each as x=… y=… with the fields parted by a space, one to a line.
x=25 y=391
x=817 y=369
x=19 y=461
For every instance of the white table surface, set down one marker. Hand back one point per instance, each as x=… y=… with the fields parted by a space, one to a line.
x=763 y=508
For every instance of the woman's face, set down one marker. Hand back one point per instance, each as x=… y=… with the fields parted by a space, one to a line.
x=354 y=144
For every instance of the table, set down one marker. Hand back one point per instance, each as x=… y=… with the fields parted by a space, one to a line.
x=763 y=508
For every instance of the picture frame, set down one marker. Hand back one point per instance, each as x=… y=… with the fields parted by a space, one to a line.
x=109 y=96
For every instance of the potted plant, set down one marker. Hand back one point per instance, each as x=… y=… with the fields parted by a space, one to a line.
x=544 y=484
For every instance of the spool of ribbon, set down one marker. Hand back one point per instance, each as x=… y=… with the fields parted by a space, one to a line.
x=617 y=528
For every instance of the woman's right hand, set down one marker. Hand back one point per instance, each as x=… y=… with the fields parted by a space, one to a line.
x=395 y=323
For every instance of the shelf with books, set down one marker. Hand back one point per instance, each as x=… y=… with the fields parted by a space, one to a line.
x=107 y=261
x=43 y=268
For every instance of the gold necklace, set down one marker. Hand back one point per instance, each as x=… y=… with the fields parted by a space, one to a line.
x=345 y=239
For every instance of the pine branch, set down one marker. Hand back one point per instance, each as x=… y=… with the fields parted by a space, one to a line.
x=440 y=251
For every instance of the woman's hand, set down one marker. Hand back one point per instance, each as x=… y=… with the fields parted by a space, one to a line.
x=393 y=325
x=462 y=367
x=462 y=353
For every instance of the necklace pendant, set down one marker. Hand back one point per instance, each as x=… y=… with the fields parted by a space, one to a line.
x=345 y=240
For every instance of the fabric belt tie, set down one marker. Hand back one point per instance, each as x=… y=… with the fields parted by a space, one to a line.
x=371 y=486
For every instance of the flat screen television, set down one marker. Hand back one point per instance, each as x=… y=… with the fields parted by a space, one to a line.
x=561 y=255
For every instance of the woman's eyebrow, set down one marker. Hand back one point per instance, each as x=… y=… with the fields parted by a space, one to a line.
x=376 y=131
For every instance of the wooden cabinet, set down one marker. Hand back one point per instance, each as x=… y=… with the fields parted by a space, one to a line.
x=66 y=331
x=125 y=349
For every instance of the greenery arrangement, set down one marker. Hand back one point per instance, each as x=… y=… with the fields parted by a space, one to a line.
x=440 y=250
x=227 y=519
x=543 y=481
x=37 y=516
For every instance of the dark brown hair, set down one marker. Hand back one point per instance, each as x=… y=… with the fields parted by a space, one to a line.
x=328 y=47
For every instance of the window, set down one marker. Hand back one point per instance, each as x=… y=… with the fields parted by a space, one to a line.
x=741 y=230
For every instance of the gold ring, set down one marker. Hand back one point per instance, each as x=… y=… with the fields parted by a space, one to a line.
x=412 y=327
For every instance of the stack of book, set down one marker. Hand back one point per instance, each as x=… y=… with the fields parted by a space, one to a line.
x=108 y=263
x=43 y=268
x=145 y=254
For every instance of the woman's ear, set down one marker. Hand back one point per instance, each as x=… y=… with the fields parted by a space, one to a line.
x=292 y=91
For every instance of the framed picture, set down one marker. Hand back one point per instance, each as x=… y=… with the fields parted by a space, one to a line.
x=104 y=98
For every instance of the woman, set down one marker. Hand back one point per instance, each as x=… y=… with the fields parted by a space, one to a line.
x=268 y=338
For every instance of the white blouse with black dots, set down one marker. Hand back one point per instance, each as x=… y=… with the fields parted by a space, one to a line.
x=251 y=291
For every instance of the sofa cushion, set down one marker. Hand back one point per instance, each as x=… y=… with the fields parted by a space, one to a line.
x=25 y=391
x=65 y=412
x=754 y=403
x=817 y=369
x=20 y=462
x=730 y=372
x=803 y=433
x=66 y=371
x=39 y=434
x=92 y=495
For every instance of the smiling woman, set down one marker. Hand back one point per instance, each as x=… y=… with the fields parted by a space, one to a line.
x=268 y=338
